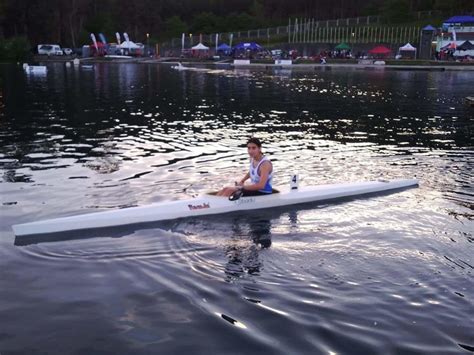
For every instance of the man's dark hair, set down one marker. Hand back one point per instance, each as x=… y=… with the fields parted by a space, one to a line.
x=255 y=141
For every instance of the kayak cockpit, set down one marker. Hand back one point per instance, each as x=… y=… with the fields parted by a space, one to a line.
x=214 y=193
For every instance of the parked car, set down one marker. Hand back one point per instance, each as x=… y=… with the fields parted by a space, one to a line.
x=67 y=51
x=49 y=49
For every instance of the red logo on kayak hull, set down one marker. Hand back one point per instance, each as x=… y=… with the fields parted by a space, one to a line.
x=199 y=207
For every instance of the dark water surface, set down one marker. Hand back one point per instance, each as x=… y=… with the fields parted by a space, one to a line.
x=389 y=274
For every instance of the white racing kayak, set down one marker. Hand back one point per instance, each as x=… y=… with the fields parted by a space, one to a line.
x=208 y=204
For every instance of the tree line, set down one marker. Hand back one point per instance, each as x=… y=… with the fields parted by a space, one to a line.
x=69 y=22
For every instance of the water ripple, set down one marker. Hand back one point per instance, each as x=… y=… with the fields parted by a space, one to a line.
x=389 y=273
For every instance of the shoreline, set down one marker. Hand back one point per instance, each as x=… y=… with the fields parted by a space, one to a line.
x=330 y=66
x=316 y=66
x=438 y=66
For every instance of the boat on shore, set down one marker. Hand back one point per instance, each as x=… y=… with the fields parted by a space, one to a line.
x=35 y=69
x=208 y=204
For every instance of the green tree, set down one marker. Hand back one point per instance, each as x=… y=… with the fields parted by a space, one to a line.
x=3 y=15
x=15 y=49
x=371 y=8
x=174 y=27
x=239 y=22
x=454 y=6
x=205 y=22
x=257 y=9
x=397 y=11
x=99 y=23
x=443 y=5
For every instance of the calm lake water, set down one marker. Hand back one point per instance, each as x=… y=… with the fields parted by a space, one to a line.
x=389 y=274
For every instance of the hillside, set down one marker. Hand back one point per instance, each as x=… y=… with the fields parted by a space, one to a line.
x=69 y=22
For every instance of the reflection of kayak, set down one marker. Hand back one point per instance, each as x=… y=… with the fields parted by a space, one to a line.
x=208 y=204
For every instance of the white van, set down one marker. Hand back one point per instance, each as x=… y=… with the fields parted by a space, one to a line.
x=49 y=49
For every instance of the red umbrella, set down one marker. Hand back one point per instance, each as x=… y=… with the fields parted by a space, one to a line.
x=380 y=50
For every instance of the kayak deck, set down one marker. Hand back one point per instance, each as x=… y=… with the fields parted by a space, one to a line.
x=207 y=204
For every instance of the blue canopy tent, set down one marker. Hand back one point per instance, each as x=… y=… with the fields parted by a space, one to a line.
x=460 y=20
x=248 y=46
x=429 y=28
x=224 y=48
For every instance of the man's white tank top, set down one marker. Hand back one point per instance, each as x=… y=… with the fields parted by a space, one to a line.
x=255 y=177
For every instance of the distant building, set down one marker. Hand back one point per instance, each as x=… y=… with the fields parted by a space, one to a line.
x=427 y=43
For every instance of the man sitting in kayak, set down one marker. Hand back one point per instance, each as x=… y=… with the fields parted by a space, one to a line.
x=260 y=173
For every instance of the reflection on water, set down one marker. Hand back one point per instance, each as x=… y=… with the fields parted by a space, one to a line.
x=242 y=252
x=390 y=273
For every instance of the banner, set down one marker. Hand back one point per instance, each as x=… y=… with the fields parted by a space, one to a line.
x=125 y=36
x=117 y=37
x=102 y=38
x=231 y=37
x=182 y=42
x=217 y=41
x=94 y=40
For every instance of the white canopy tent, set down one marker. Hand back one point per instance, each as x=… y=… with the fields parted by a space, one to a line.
x=407 y=47
x=466 y=49
x=200 y=47
x=465 y=53
x=131 y=48
x=407 y=50
x=129 y=45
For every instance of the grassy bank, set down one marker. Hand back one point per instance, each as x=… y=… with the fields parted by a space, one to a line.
x=14 y=49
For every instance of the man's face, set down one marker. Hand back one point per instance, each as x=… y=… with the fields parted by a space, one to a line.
x=253 y=150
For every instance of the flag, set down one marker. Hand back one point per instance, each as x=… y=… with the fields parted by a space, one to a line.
x=182 y=42
x=454 y=39
x=102 y=38
x=125 y=36
x=217 y=40
x=94 y=40
x=231 y=37
x=117 y=36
